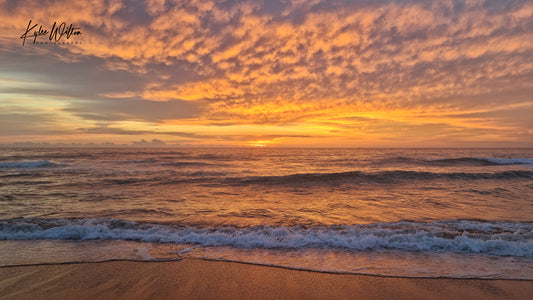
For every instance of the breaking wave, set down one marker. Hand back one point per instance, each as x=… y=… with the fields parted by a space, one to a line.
x=454 y=236
x=28 y=164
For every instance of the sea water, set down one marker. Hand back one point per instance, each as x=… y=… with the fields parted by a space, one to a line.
x=459 y=213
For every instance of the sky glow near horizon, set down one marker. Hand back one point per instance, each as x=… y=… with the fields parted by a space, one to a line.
x=271 y=73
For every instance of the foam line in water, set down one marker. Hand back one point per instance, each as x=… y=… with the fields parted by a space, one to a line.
x=490 y=238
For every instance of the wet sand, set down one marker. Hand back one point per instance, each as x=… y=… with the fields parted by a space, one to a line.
x=200 y=279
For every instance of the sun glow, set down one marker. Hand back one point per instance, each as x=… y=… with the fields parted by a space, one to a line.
x=261 y=143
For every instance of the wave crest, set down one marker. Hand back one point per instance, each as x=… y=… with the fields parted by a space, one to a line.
x=482 y=161
x=377 y=177
x=28 y=164
x=455 y=162
x=456 y=236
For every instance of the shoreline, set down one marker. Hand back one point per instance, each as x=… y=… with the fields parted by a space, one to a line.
x=254 y=264
x=209 y=279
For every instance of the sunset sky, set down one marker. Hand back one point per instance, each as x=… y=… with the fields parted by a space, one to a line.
x=317 y=73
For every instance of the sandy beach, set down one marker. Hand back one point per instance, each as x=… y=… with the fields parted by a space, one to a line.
x=200 y=279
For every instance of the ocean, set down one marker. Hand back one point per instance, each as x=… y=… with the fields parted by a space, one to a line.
x=455 y=213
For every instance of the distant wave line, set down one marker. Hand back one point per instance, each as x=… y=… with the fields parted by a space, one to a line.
x=462 y=161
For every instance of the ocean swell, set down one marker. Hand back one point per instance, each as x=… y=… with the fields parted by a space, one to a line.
x=457 y=162
x=377 y=177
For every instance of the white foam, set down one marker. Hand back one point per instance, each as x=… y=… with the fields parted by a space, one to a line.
x=500 y=239
x=28 y=164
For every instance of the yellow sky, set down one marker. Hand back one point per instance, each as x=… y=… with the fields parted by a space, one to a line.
x=270 y=73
